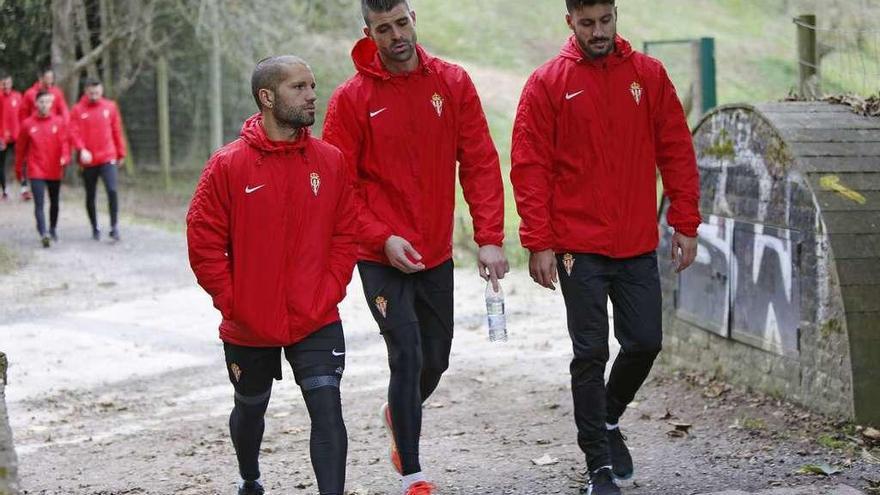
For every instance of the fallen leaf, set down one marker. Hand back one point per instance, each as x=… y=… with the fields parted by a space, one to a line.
x=544 y=460
x=683 y=427
x=676 y=434
x=822 y=469
x=872 y=434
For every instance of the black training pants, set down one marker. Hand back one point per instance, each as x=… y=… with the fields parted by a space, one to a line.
x=633 y=285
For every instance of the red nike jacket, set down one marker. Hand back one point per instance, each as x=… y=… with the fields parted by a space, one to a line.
x=587 y=141
x=29 y=102
x=10 y=121
x=44 y=146
x=96 y=126
x=402 y=136
x=271 y=234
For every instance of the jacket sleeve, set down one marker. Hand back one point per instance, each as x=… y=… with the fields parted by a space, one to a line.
x=676 y=160
x=341 y=130
x=22 y=147
x=76 y=131
x=116 y=128
x=531 y=165
x=208 y=235
x=479 y=168
x=27 y=106
x=65 y=144
x=343 y=245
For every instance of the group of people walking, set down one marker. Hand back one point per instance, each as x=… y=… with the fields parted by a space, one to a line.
x=39 y=134
x=279 y=219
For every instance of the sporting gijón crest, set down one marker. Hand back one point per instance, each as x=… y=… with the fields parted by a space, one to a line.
x=636 y=90
x=315 y=180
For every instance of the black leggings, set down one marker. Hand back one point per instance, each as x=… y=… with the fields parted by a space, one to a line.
x=38 y=187
x=4 y=153
x=417 y=363
x=328 y=444
x=108 y=173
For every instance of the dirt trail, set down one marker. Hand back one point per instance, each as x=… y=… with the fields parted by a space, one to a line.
x=117 y=386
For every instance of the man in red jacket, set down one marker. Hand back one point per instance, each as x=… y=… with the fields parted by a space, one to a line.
x=272 y=238
x=403 y=121
x=593 y=126
x=43 y=151
x=46 y=82
x=10 y=106
x=97 y=134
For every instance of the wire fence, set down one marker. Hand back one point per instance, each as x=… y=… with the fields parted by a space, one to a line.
x=848 y=58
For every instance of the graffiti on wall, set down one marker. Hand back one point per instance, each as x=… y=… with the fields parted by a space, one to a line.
x=745 y=284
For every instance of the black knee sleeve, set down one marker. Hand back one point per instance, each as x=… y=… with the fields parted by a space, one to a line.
x=329 y=438
x=246 y=426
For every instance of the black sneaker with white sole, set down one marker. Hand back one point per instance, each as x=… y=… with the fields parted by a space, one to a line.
x=601 y=483
x=620 y=457
x=251 y=488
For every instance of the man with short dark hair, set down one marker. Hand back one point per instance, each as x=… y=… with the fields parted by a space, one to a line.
x=10 y=123
x=271 y=233
x=97 y=133
x=593 y=126
x=45 y=82
x=403 y=122
x=43 y=151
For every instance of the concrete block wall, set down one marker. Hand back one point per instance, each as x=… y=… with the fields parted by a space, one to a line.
x=8 y=462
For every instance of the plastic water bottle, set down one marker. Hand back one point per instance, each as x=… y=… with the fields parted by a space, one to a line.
x=495 y=313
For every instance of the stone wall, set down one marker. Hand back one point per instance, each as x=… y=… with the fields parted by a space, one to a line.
x=751 y=186
x=8 y=471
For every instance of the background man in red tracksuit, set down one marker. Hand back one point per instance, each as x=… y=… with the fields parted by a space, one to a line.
x=272 y=238
x=593 y=125
x=403 y=121
x=43 y=151
x=10 y=123
x=45 y=82
x=97 y=134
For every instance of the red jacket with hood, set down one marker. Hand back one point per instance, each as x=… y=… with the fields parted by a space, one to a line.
x=402 y=136
x=29 y=102
x=587 y=141
x=44 y=146
x=271 y=234
x=10 y=119
x=96 y=126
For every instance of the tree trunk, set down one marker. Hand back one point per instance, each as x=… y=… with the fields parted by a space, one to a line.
x=215 y=98
x=164 y=119
x=106 y=9
x=63 y=49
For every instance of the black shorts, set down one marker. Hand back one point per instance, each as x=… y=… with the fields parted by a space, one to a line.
x=397 y=298
x=252 y=369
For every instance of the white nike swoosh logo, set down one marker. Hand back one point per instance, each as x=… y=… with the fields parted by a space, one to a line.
x=337 y=354
x=248 y=189
x=569 y=96
x=377 y=112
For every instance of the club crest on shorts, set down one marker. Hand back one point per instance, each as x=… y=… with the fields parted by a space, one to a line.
x=236 y=371
x=568 y=263
x=636 y=90
x=315 y=179
x=437 y=101
x=382 y=306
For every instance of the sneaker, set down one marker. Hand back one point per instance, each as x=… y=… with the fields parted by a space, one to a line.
x=620 y=457
x=96 y=235
x=53 y=235
x=251 y=488
x=4 y=197
x=385 y=411
x=26 y=195
x=420 y=488
x=601 y=483
x=114 y=234
x=47 y=241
